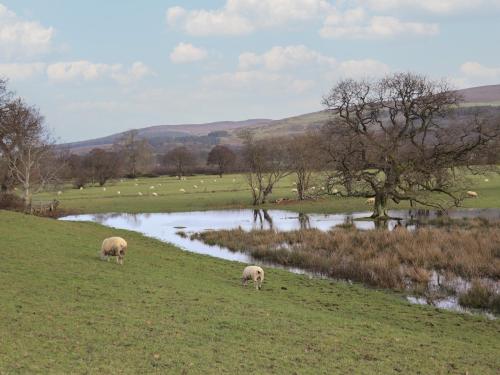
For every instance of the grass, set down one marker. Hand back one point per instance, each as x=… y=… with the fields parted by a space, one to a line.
x=215 y=193
x=168 y=311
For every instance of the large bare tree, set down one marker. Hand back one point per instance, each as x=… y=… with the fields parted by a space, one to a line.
x=396 y=139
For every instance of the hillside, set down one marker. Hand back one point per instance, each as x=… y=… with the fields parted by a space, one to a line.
x=161 y=135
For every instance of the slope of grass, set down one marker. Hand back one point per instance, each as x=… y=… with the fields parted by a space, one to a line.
x=167 y=311
x=229 y=192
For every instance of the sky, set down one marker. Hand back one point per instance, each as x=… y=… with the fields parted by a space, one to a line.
x=97 y=67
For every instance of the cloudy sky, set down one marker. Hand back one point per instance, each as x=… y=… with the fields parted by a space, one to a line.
x=96 y=67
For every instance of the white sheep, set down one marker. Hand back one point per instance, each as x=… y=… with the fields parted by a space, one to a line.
x=114 y=246
x=254 y=273
x=370 y=201
x=140 y=194
x=234 y=180
x=334 y=191
x=182 y=190
x=472 y=194
x=195 y=186
x=59 y=192
x=118 y=192
x=136 y=184
x=155 y=194
x=103 y=189
x=81 y=187
x=202 y=182
x=295 y=191
x=486 y=180
x=151 y=187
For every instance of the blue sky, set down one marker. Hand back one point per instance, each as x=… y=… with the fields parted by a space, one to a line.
x=99 y=67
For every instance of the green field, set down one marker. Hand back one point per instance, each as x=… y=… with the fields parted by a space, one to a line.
x=166 y=311
x=216 y=193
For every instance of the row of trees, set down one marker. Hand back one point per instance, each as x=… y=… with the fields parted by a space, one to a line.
x=395 y=139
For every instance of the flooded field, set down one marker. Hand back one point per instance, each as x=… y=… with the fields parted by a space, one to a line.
x=177 y=228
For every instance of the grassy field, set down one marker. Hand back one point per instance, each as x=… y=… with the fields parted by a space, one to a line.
x=63 y=311
x=214 y=193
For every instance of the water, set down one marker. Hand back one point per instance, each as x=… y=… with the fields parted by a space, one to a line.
x=166 y=227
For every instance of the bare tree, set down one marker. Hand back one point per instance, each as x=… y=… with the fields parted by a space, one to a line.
x=31 y=159
x=395 y=139
x=137 y=153
x=304 y=160
x=180 y=158
x=266 y=162
x=103 y=165
x=222 y=157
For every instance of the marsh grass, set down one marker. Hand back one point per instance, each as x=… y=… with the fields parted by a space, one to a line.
x=398 y=259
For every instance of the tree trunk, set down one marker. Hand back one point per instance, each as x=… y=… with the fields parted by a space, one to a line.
x=379 y=208
x=27 y=198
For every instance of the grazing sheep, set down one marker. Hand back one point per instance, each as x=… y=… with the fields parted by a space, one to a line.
x=59 y=192
x=115 y=247
x=195 y=186
x=140 y=194
x=370 y=201
x=254 y=273
x=136 y=184
x=151 y=187
x=155 y=194
x=103 y=189
x=215 y=180
x=334 y=191
x=182 y=190
x=234 y=179
x=486 y=180
x=81 y=187
x=295 y=191
x=472 y=194
x=118 y=192
x=202 y=182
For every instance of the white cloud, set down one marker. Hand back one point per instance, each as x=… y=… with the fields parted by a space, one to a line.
x=279 y=58
x=357 y=24
x=294 y=69
x=361 y=69
x=20 y=71
x=477 y=70
x=432 y=6
x=185 y=53
x=20 y=38
x=239 y=17
x=88 y=71
x=257 y=80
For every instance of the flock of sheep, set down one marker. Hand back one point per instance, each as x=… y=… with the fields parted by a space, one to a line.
x=117 y=247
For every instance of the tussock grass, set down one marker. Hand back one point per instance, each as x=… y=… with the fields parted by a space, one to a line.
x=399 y=259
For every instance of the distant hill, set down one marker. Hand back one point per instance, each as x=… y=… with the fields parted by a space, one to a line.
x=166 y=133
x=161 y=136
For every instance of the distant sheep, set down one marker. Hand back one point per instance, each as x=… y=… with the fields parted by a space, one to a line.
x=59 y=192
x=195 y=186
x=234 y=180
x=201 y=181
x=115 y=247
x=155 y=194
x=103 y=189
x=182 y=190
x=370 y=201
x=295 y=191
x=139 y=194
x=472 y=194
x=254 y=273
x=81 y=187
x=486 y=180
x=118 y=192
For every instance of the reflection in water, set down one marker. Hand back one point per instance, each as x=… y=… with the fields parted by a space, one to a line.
x=305 y=222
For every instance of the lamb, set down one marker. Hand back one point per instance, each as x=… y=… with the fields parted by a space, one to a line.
x=114 y=246
x=370 y=201
x=254 y=273
x=472 y=194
